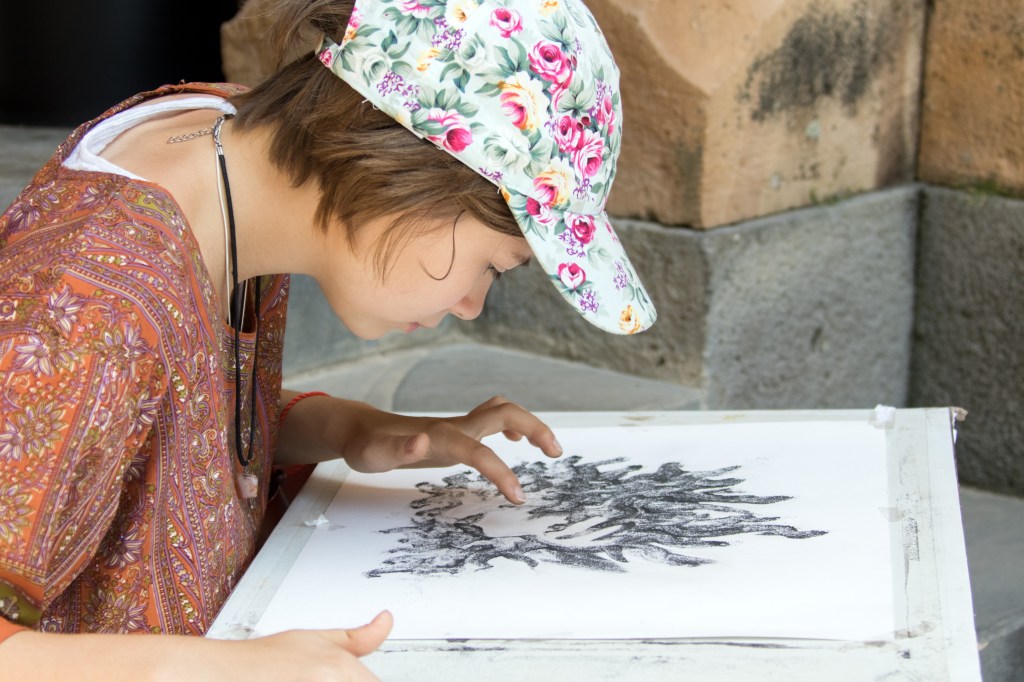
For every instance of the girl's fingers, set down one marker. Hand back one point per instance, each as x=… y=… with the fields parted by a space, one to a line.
x=497 y=472
x=499 y=415
x=450 y=444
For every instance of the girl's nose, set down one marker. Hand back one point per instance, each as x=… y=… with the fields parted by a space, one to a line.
x=472 y=304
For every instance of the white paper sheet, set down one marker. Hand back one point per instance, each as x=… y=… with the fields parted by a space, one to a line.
x=834 y=585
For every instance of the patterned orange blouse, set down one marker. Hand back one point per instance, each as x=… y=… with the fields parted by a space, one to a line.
x=118 y=510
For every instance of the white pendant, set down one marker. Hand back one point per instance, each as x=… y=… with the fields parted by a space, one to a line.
x=247 y=486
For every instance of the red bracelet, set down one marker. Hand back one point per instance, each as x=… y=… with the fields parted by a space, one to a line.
x=293 y=401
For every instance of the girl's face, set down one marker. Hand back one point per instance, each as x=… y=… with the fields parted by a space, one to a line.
x=427 y=280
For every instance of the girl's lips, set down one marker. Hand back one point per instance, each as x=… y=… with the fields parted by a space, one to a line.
x=410 y=328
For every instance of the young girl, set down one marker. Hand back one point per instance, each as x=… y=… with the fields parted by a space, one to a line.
x=420 y=150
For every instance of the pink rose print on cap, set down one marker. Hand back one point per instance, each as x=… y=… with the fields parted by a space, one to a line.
x=606 y=113
x=549 y=62
x=568 y=134
x=414 y=8
x=551 y=186
x=582 y=227
x=539 y=212
x=455 y=135
x=571 y=275
x=507 y=21
x=587 y=158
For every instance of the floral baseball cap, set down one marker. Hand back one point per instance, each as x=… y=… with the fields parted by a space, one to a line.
x=526 y=93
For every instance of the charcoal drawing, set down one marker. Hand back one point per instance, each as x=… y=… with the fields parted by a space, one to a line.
x=592 y=515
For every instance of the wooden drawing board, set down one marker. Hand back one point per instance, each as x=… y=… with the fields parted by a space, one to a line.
x=935 y=636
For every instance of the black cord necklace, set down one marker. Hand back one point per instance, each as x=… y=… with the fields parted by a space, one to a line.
x=246 y=482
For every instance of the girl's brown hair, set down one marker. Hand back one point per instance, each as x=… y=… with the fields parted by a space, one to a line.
x=364 y=162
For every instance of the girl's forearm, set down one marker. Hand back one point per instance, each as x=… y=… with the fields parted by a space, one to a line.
x=316 y=428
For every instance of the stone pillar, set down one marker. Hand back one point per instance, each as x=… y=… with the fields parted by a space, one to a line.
x=969 y=308
x=969 y=329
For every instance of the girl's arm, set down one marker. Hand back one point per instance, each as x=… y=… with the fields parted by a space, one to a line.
x=319 y=428
x=294 y=655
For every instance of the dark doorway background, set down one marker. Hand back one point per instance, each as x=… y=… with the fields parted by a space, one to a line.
x=64 y=62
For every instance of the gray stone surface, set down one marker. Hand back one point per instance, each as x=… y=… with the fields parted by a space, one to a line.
x=811 y=308
x=994 y=533
x=23 y=151
x=969 y=329
x=458 y=377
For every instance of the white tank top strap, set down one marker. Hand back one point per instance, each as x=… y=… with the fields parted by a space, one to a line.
x=86 y=156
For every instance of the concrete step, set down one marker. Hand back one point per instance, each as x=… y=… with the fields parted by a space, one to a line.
x=994 y=532
x=458 y=377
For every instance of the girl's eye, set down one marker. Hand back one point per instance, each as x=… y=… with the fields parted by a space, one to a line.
x=495 y=274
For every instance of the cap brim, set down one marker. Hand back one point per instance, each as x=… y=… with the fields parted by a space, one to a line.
x=582 y=257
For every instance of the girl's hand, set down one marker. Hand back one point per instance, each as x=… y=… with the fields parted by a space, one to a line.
x=320 y=428
x=330 y=655
x=305 y=654
x=389 y=441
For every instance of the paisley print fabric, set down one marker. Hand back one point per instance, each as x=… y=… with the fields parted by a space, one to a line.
x=118 y=511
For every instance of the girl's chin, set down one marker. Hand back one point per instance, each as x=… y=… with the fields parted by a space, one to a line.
x=368 y=332
x=373 y=331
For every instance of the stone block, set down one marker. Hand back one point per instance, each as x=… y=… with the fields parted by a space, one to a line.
x=972 y=119
x=743 y=109
x=813 y=308
x=806 y=309
x=969 y=329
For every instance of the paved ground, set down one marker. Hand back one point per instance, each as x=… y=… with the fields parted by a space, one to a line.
x=458 y=377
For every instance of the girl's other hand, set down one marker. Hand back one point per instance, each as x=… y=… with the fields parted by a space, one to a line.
x=296 y=655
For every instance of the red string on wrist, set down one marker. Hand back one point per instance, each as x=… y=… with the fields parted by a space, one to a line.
x=294 y=401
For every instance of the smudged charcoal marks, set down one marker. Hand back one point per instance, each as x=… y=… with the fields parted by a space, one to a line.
x=825 y=54
x=602 y=517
